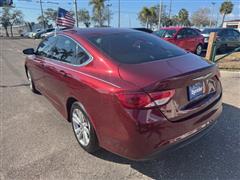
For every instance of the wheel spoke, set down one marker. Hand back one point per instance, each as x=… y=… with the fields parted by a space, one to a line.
x=81 y=127
x=85 y=137
x=76 y=120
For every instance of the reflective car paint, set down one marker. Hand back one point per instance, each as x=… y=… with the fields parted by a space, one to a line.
x=132 y=133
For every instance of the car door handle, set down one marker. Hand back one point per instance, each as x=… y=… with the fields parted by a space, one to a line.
x=64 y=74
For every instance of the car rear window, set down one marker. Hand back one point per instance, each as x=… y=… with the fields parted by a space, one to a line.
x=135 y=47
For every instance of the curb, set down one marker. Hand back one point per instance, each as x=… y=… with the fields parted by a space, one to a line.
x=233 y=74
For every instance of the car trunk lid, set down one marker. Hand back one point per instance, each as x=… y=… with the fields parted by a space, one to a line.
x=179 y=74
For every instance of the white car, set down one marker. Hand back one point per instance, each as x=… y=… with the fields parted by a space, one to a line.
x=52 y=32
x=32 y=34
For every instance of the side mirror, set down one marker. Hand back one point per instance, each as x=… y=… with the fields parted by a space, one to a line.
x=29 y=51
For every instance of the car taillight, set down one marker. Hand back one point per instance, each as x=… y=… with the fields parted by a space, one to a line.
x=143 y=100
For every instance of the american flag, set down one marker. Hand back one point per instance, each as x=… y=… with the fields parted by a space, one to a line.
x=64 y=18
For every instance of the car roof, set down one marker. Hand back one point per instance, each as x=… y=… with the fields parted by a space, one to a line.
x=98 y=31
x=175 y=28
x=218 y=28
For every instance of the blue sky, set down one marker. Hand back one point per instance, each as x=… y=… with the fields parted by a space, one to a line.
x=129 y=8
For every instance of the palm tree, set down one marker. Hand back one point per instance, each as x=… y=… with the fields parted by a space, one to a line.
x=98 y=11
x=145 y=15
x=183 y=17
x=84 y=17
x=226 y=8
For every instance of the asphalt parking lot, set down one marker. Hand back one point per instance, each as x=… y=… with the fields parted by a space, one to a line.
x=37 y=143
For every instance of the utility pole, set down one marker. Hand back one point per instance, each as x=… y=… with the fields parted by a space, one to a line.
x=160 y=14
x=212 y=14
x=119 y=24
x=76 y=15
x=44 y=24
x=108 y=6
x=170 y=9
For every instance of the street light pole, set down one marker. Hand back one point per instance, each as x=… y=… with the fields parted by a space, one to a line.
x=160 y=14
x=212 y=14
x=119 y=14
x=76 y=15
x=44 y=25
x=108 y=6
x=170 y=9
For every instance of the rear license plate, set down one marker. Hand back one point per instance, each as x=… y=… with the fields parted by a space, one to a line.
x=195 y=90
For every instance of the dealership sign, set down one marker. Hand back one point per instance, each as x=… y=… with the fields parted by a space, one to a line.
x=6 y=3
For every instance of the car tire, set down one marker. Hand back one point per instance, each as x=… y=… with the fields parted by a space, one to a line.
x=83 y=128
x=31 y=83
x=199 y=49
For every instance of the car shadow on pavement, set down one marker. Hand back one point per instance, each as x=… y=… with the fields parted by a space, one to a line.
x=214 y=156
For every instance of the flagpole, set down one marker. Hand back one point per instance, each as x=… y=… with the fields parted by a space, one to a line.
x=56 y=24
x=76 y=15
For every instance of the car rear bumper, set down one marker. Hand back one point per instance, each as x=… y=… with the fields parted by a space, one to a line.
x=146 y=141
x=181 y=143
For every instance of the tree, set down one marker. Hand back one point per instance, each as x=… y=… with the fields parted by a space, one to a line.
x=100 y=13
x=16 y=17
x=144 y=16
x=84 y=17
x=5 y=19
x=10 y=18
x=149 y=16
x=225 y=9
x=50 y=14
x=201 y=17
x=183 y=17
x=30 y=25
x=43 y=20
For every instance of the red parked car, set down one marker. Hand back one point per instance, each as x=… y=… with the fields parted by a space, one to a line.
x=187 y=38
x=124 y=90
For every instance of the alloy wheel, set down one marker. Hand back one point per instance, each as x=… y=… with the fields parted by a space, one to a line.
x=81 y=127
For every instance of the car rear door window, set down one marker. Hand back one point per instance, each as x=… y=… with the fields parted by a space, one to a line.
x=68 y=51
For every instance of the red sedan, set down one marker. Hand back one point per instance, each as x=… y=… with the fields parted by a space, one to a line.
x=124 y=90
x=187 y=38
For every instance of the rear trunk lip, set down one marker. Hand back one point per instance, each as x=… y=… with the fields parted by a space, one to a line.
x=193 y=115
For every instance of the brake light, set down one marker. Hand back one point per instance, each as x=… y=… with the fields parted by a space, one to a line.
x=143 y=100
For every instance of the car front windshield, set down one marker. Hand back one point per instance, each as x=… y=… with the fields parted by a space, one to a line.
x=134 y=47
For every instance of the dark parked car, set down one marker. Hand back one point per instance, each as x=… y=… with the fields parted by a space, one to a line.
x=186 y=38
x=223 y=34
x=125 y=90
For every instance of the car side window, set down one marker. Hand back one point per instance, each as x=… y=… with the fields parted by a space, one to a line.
x=81 y=56
x=193 y=32
x=236 y=34
x=68 y=51
x=45 y=46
